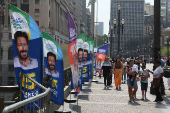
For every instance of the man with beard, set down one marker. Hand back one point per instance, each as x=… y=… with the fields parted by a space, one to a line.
x=51 y=58
x=85 y=62
x=23 y=60
x=80 y=53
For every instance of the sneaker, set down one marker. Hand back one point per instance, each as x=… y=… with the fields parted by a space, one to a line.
x=107 y=87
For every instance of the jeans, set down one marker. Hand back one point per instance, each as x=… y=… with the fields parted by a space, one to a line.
x=106 y=76
x=124 y=75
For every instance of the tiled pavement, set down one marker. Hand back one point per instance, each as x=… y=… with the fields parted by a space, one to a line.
x=95 y=99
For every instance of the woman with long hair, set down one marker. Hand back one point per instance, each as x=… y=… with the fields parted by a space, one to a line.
x=131 y=71
x=118 y=71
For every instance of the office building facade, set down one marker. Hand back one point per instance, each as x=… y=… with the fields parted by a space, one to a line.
x=132 y=11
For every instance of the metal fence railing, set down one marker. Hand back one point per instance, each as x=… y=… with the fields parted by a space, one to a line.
x=35 y=102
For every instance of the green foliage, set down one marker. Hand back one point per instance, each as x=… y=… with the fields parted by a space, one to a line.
x=164 y=51
x=101 y=40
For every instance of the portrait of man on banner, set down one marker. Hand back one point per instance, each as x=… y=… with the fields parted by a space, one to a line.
x=23 y=60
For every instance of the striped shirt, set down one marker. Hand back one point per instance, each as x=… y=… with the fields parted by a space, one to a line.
x=106 y=66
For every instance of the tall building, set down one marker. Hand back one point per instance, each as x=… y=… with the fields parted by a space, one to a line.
x=80 y=15
x=132 y=11
x=50 y=16
x=167 y=13
x=88 y=20
x=149 y=9
x=100 y=27
x=163 y=11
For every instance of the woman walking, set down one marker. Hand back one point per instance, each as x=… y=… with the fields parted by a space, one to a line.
x=118 y=71
x=124 y=70
x=131 y=71
x=157 y=80
x=106 y=69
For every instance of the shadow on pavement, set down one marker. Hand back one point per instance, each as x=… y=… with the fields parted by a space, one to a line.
x=74 y=108
x=83 y=97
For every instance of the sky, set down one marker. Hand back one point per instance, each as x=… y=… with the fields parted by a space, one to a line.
x=104 y=12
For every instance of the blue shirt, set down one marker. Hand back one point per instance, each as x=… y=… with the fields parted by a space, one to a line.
x=145 y=73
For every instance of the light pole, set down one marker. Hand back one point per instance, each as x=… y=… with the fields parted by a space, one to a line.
x=111 y=34
x=118 y=27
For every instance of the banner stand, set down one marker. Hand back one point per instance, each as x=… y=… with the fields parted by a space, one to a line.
x=70 y=100
x=62 y=111
x=77 y=104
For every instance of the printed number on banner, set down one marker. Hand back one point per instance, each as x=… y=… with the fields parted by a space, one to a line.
x=28 y=84
x=79 y=73
x=54 y=83
x=84 y=69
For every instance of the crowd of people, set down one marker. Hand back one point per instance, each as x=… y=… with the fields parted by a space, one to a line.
x=130 y=71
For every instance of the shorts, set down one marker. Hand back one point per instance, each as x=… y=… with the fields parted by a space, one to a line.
x=144 y=86
x=131 y=82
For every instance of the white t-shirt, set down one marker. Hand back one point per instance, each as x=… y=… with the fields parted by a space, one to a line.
x=124 y=65
x=157 y=72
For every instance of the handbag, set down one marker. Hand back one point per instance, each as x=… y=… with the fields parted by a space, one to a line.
x=156 y=82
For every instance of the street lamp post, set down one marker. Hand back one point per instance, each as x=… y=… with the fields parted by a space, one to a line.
x=119 y=27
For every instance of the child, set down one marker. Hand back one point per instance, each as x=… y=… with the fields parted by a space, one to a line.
x=144 y=74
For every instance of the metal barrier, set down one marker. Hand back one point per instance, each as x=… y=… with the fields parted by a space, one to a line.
x=36 y=99
x=34 y=102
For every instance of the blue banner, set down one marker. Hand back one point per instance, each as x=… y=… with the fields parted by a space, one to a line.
x=53 y=60
x=27 y=52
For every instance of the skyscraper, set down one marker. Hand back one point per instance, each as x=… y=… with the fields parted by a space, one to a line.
x=132 y=11
x=167 y=13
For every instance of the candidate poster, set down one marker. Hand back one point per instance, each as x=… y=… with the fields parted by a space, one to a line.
x=27 y=51
x=86 y=61
x=95 y=56
x=101 y=54
x=79 y=43
x=72 y=52
x=53 y=60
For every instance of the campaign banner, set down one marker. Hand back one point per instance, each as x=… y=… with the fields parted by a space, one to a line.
x=95 y=57
x=53 y=60
x=27 y=52
x=79 y=44
x=91 y=56
x=73 y=53
x=101 y=54
x=86 y=62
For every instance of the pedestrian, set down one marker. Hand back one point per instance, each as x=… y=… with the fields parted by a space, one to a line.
x=144 y=74
x=168 y=64
x=118 y=71
x=106 y=70
x=124 y=70
x=157 y=80
x=131 y=71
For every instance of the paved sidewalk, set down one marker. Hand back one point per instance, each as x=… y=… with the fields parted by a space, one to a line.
x=95 y=99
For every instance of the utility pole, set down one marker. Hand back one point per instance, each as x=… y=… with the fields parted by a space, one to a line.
x=157 y=32
x=92 y=33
